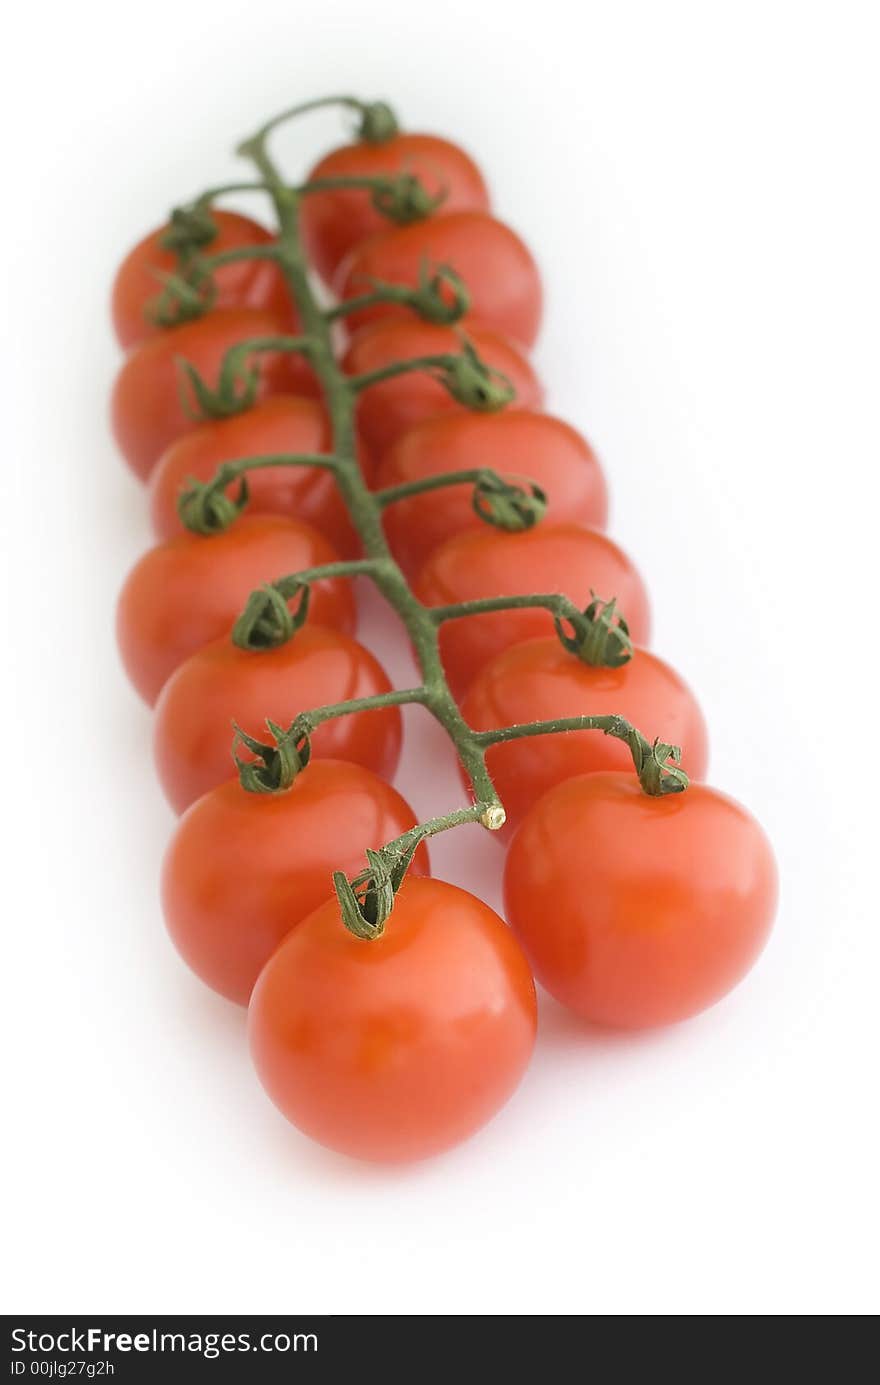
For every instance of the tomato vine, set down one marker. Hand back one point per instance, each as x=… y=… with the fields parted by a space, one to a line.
x=440 y=296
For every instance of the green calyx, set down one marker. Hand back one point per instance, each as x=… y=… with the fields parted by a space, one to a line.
x=440 y=296
x=189 y=228
x=183 y=297
x=404 y=199
x=268 y=620
x=206 y=508
x=507 y=505
x=236 y=388
x=190 y=292
x=599 y=636
x=366 y=902
x=276 y=763
x=657 y=764
x=378 y=123
x=473 y=383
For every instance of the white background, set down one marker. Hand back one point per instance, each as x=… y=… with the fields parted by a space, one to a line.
x=699 y=184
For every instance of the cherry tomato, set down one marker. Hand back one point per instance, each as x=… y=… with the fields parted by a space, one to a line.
x=400 y=1047
x=242 y=284
x=147 y=408
x=550 y=558
x=389 y=409
x=334 y=222
x=284 y=423
x=497 y=268
x=539 y=680
x=243 y=869
x=517 y=443
x=184 y=593
x=220 y=683
x=637 y=911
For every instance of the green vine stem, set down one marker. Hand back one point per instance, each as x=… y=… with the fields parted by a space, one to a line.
x=367 y=901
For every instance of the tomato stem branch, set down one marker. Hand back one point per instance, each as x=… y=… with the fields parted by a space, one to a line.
x=555 y=603
x=240 y=252
x=441 y=362
x=306 y=722
x=656 y=763
x=378 y=124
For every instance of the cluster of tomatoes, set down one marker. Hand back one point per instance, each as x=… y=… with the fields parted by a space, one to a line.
x=631 y=909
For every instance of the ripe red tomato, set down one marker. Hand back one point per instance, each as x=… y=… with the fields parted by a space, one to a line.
x=284 y=423
x=243 y=869
x=389 y=409
x=550 y=558
x=242 y=284
x=189 y=591
x=497 y=268
x=220 y=683
x=637 y=911
x=516 y=443
x=397 y=1048
x=147 y=411
x=334 y=222
x=539 y=680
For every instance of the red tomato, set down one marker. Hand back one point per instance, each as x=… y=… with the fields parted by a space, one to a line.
x=637 y=911
x=243 y=284
x=389 y=409
x=243 y=869
x=333 y=222
x=539 y=680
x=496 y=266
x=516 y=443
x=397 y=1048
x=220 y=683
x=550 y=558
x=189 y=591
x=284 y=423
x=147 y=411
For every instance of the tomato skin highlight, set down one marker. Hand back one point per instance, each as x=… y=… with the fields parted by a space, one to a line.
x=551 y=558
x=517 y=443
x=495 y=264
x=282 y=423
x=184 y=593
x=637 y=911
x=220 y=683
x=390 y=408
x=146 y=408
x=539 y=680
x=243 y=869
x=398 y=1048
x=242 y=284
x=334 y=222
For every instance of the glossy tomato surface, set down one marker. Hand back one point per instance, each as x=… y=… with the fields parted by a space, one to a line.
x=390 y=408
x=639 y=911
x=400 y=1047
x=285 y=423
x=184 y=593
x=551 y=558
x=539 y=680
x=498 y=270
x=243 y=869
x=147 y=405
x=517 y=443
x=242 y=284
x=220 y=683
x=335 y=221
